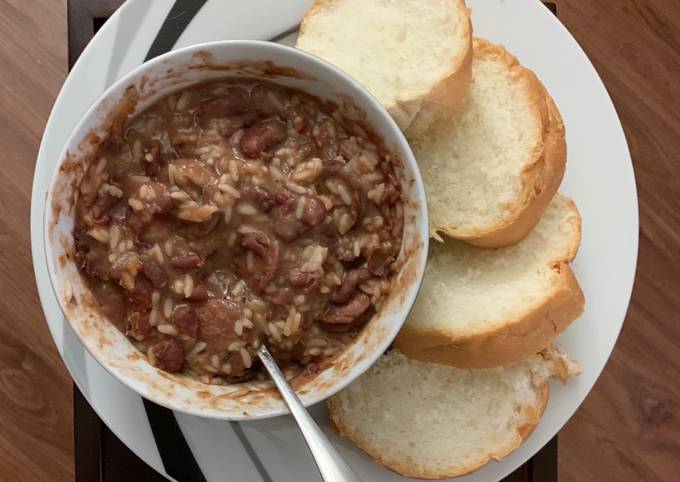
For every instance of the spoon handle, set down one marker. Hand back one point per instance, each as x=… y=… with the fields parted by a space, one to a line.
x=332 y=466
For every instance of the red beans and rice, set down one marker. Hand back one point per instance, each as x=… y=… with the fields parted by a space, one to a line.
x=236 y=213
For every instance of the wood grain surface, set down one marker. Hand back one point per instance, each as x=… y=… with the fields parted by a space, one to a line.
x=36 y=421
x=629 y=426
x=628 y=429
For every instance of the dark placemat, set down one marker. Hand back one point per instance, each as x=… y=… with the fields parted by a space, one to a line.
x=99 y=455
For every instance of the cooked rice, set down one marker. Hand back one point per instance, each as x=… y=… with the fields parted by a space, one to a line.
x=376 y=193
x=100 y=234
x=308 y=171
x=245 y=356
x=300 y=208
x=246 y=209
x=344 y=194
x=137 y=179
x=183 y=101
x=233 y=168
x=68 y=291
x=135 y=204
x=344 y=223
x=227 y=214
x=197 y=348
x=316 y=256
x=247 y=324
x=236 y=345
x=157 y=253
x=316 y=343
x=296 y=187
x=197 y=214
x=182 y=196
x=146 y=192
x=226 y=188
x=114 y=236
x=111 y=190
x=188 y=285
x=231 y=240
x=238 y=288
x=330 y=351
x=168 y=247
x=167 y=329
x=154 y=317
x=274 y=330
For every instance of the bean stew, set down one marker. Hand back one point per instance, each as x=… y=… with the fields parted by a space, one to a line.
x=234 y=213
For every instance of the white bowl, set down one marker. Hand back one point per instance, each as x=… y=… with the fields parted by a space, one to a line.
x=139 y=89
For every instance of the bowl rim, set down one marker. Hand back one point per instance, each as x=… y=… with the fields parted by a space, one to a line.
x=402 y=146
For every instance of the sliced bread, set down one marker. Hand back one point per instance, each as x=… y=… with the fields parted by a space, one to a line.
x=491 y=169
x=481 y=308
x=432 y=422
x=413 y=56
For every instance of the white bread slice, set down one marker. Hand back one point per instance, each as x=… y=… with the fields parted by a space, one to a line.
x=433 y=422
x=491 y=169
x=481 y=308
x=414 y=56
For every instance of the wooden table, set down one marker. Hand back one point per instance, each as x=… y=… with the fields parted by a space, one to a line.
x=627 y=429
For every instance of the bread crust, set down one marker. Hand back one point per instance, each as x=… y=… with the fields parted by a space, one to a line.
x=542 y=173
x=513 y=340
x=448 y=94
x=408 y=468
x=415 y=115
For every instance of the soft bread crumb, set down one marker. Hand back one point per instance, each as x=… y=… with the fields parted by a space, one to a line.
x=485 y=307
x=407 y=53
x=430 y=421
x=564 y=367
x=474 y=162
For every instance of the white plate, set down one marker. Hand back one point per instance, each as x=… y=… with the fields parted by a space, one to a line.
x=599 y=178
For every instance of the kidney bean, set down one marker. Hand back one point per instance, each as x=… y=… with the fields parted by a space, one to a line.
x=154 y=273
x=350 y=280
x=261 y=196
x=167 y=355
x=138 y=298
x=137 y=324
x=216 y=322
x=286 y=225
x=187 y=261
x=266 y=250
x=315 y=212
x=305 y=281
x=262 y=137
x=200 y=293
x=234 y=102
x=105 y=201
x=186 y=320
x=346 y=313
x=378 y=262
x=138 y=301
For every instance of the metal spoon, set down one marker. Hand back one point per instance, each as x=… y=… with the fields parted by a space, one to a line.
x=331 y=465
